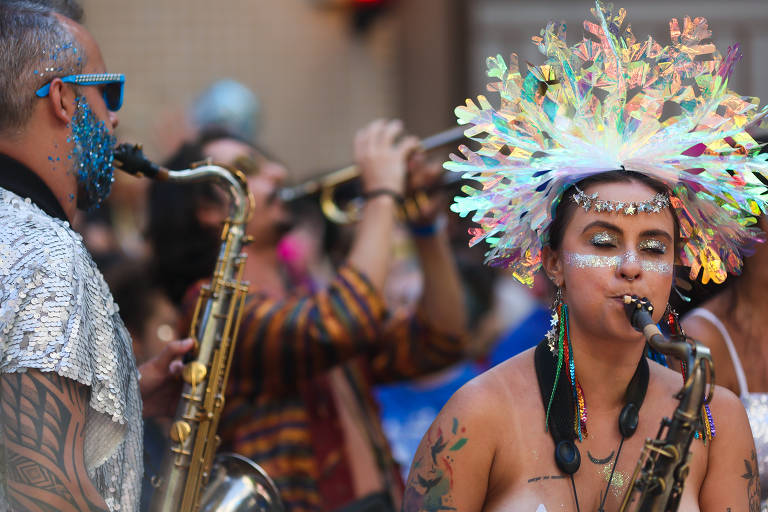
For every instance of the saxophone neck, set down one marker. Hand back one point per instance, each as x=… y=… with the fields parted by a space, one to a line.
x=232 y=180
x=130 y=158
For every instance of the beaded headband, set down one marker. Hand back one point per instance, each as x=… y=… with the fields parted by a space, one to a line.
x=613 y=102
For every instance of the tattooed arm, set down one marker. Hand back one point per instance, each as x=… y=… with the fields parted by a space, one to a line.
x=43 y=419
x=731 y=481
x=449 y=468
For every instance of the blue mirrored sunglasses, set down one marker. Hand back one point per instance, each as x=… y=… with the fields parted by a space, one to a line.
x=113 y=85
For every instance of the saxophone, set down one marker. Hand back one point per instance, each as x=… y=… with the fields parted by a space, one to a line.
x=659 y=477
x=191 y=480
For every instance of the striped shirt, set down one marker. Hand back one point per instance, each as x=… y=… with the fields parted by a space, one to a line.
x=280 y=408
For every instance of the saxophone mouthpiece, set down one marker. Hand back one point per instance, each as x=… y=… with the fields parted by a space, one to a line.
x=638 y=311
x=130 y=158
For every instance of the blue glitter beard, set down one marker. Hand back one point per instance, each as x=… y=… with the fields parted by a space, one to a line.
x=92 y=154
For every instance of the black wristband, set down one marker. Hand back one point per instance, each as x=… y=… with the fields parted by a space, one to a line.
x=384 y=192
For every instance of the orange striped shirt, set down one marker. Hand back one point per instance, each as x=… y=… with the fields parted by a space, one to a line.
x=280 y=411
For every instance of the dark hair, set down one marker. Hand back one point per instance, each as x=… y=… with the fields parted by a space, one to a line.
x=183 y=250
x=35 y=47
x=567 y=206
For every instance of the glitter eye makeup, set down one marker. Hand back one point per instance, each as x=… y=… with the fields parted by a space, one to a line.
x=604 y=238
x=653 y=245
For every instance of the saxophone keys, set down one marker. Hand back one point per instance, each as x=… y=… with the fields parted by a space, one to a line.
x=194 y=372
x=180 y=431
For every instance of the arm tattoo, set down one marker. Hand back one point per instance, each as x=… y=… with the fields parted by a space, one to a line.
x=753 y=483
x=43 y=440
x=430 y=485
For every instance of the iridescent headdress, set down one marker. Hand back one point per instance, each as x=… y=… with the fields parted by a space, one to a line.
x=614 y=102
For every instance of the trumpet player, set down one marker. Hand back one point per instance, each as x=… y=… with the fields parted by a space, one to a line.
x=299 y=401
x=70 y=393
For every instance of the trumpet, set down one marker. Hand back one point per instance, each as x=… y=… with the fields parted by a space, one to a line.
x=326 y=185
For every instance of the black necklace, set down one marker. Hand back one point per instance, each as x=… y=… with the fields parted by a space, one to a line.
x=561 y=416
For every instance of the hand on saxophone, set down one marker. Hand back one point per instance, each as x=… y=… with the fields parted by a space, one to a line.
x=160 y=382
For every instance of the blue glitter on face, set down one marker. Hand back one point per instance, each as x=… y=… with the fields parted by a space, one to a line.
x=92 y=153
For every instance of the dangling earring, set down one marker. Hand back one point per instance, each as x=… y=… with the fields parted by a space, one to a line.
x=673 y=321
x=560 y=344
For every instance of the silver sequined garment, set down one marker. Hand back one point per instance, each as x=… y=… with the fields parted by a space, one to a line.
x=57 y=314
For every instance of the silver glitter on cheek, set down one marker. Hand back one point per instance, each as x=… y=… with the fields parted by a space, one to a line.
x=653 y=245
x=613 y=262
x=591 y=260
x=656 y=266
x=604 y=238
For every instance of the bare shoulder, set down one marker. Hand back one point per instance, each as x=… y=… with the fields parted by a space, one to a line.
x=732 y=471
x=724 y=403
x=454 y=463
x=730 y=410
x=504 y=386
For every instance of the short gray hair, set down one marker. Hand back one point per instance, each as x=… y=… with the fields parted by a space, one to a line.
x=35 y=47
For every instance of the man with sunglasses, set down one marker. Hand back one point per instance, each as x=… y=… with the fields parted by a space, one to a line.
x=70 y=392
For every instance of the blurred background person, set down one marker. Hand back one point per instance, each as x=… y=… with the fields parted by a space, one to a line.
x=730 y=323
x=299 y=401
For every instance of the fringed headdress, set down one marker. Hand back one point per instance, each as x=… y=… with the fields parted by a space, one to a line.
x=614 y=102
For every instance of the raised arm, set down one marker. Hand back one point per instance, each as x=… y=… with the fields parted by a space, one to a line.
x=731 y=481
x=290 y=341
x=382 y=163
x=442 y=300
x=43 y=420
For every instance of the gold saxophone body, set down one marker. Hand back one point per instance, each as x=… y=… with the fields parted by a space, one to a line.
x=659 y=477
x=192 y=477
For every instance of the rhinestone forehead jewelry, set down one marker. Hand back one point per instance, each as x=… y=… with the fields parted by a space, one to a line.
x=590 y=201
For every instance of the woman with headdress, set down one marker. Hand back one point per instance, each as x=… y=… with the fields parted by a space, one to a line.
x=607 y=167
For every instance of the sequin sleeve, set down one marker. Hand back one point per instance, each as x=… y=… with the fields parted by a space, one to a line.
x=57 y=315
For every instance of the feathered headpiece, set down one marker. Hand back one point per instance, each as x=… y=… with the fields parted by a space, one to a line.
x=614 y=102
